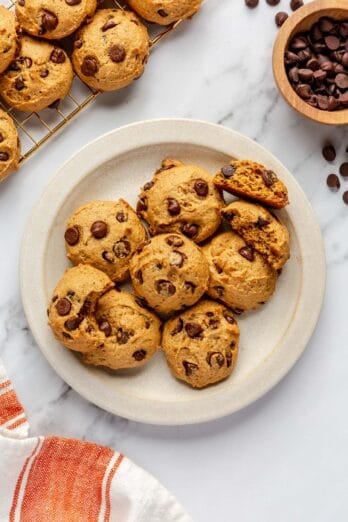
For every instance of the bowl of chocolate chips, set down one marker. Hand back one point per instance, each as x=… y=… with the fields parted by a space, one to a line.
x=310 y=61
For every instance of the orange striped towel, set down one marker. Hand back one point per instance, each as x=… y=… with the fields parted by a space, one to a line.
x=52 y=479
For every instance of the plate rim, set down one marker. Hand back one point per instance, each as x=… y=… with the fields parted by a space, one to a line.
x=168 y=126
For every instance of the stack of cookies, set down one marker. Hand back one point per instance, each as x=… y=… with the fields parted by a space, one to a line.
x=110 y=50
x=204 y=263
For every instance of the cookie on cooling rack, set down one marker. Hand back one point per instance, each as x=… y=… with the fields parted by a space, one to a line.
x=181 y=198
x=9 y=146
x=201 y=344
x=8 y=37
x=132 y=333
x=104 y=234
x=53 y=20
x=165 y=12
x=40 y=76
x=112 y=50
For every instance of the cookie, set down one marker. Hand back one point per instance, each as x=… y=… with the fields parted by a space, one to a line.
x=201 y=344
x=132 y=333
x=8 y=38
x=181 y=198
x=169 y=272
x=104 y=234
x=112 y=50
x=53 y=20
x=261 y=230
x=73 y=306
x=165 y=12
x=9 y=146
x=247 y=179
x=40 y=76
x=239 y=276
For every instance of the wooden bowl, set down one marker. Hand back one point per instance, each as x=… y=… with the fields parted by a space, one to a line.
x=300 y=21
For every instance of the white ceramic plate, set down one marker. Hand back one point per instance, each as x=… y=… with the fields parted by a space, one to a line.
x=272 y=338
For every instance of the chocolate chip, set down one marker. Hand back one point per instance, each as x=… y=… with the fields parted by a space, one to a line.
x=142 y=205
x=215 y=359
x=49 y=22
x=107 y=256
x=73 y=2
x=228 y=359
x=78 y=44
x=341 y=81
x=189 y=367
x=87 y=308
x=122 y=336
x=4 y=156
x=1 y=137
x=329 y=152
x=269 y=177
x=165 y=288
x=148 y=185
x=73 y=323
x=58 y=56
x=109 y=25
x=90 y=66
x=72 y=236
x=44 y=73
x=296 y=4
x=105 y=327
x=219 y=290
x=19 y=84
x=122 y=248
x=272 y=3
x=162 y=13
x=261 y=222
x=229 y=317
x=174 y=241
x=191 y=287
x=190 y=230
x=117 y=54
x=280 y=18
x=332 y=42
x=99 y=229
x=63 y=306
x=305 y=74
x=176 y=258
x=139 y=276
x=178 y=327
x=213 y=323
x=251 y=3
x=247 y=252
x=121 y=217
x=193 y=330
x=344 y=170
x=66 y=335
x=218 y=268
x=228 y=171
x=201 y=188
x=333 y=182
x=173 y=207
x=139 y=355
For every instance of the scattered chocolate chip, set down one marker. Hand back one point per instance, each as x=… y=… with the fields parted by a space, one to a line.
x=332 y=42
x=72 y=236
x=333 y=182
x=121 y=217
x=87 y=308
x=218 y=268
x=73 y=323
x=107 y=256
x=228 y=215
x=251 y=3
x=142 y=205
x=229 y=317
x=73 y=2
x=148 y=185
x=280 y=18
x=99 y=229
x=190 y=230
x=162 y=13
x=201 y=188
x=345 y=197
x=213 y=324
x=66 y=335
x=139 y=355
x=269 y=177
x=49 y=22
x=189 y=367
x=139 y=276
x=178 y=327
x=58 y=56
x=344 y=170
x=247 y=252
x=122 y=336
x=44 y=73
x=90 y=66
x=19 y=84
x=122 y=248
x=174 y=241
x=228 y=171
x=296 y=4
x=191 y=287
x=329 y=152
x=109 y=25
x=176 y=258
x=341 y=80
x=173 y=207
x=4 y=156
x=117 y=54
x=215 y=359
x=166 y=288
x=261 y=222
x=71 y=294
x=63 y=306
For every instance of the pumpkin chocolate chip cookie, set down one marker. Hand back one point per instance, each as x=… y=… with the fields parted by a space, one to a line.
x=239 y=276
x=181 y=198
x=245 y=178
x=261 y=230
x=165 y=12
x=53 y=20
x=201 y=344
x=169 y=272
x=112 y=50
x=104 y=234
x=73 y=306
x=40 y=76
x=8 y=37
x=132 y=333
x=9 y=146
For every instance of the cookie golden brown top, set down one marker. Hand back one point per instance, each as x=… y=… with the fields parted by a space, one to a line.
x=165 y=12
x=9 y=146
x=53 y=19
x=8 y=37
x=247 y=179
x=181 y=198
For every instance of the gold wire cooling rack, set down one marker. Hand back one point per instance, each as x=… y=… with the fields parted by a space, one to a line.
x=37 y=128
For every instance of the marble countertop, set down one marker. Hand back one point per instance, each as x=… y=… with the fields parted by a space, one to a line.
x=285 y=457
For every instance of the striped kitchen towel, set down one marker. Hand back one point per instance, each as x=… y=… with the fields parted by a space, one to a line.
x=52 y=479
